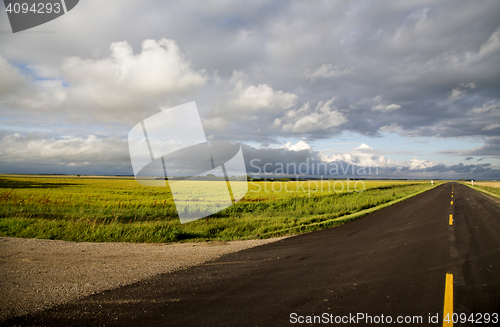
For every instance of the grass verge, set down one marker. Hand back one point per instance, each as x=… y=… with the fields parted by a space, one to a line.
x=98 y=210
x=332 y=222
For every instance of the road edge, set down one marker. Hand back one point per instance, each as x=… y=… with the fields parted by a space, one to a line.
x=495 y=196
x=343 y=219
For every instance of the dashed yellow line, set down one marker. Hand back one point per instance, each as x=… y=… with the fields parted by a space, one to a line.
x=452 y=195
x=451 y=202
x=448 y=301
x=451 y=219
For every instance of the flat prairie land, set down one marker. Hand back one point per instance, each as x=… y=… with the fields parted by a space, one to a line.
x=97 y=209
x=486 y=183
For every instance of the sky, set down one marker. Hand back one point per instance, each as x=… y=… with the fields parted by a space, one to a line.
x=409 y=88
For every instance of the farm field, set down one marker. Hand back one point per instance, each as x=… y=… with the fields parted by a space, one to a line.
x=120 y=209
x=488 y=186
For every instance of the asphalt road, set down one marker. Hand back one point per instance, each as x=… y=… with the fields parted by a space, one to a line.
x=392 y=262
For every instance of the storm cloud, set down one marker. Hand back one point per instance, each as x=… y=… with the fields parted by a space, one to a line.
x=261 y=72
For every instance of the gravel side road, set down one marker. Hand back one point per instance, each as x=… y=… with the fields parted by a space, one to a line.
x=37 y=274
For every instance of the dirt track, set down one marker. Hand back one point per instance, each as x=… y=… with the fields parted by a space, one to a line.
x=37 y=274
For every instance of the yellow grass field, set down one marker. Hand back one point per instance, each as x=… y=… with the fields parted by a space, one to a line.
x=115 y=209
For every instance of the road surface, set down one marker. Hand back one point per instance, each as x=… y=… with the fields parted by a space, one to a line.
x=389 y=266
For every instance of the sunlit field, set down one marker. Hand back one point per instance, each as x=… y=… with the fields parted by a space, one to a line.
x=120 y=209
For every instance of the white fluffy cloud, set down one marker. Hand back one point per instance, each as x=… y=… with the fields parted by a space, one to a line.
x=457 y=94
x=327 y=71
x=416 y=164
x=491 y=126
x=299 y=146
x=324 y=117
x=241 y=101
x=485 y=108
x=363 y=155
x=492 y=45
x=158 y=69
x=126 y=78
x=386 y=108
x=461 y=91
x=250 y=98
x=382 y=107
x=122 y=87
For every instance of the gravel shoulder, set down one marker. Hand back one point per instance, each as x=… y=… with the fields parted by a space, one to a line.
x=38 y=274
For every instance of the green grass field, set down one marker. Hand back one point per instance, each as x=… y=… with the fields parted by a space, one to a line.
x=121 y=210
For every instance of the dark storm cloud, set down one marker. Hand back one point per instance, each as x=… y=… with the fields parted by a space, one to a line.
x=264 y=72
x=435 y=68
x=434 y=62
x=490 y=148
x=422 y=59
x=430 y=64
x=284 y=162
x=441 y=171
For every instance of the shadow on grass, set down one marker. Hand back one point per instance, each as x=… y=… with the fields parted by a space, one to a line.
x=13 y=184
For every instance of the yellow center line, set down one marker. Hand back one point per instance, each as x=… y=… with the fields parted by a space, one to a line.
x=452 y=195
x=448 y=301
x=451 y=219
x=451 y=202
